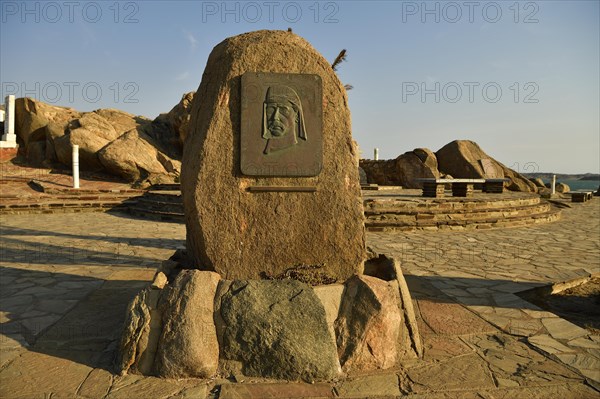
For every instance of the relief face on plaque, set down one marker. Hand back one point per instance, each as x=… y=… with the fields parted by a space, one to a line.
x=281 y=125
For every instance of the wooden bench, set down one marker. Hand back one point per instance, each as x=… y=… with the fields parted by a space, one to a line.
x=581 y=196
x=434 y=188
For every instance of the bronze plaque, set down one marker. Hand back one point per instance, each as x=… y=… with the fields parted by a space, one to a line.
x=281 y=126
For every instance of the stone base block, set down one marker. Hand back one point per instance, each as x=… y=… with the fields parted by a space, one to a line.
x=196 y=325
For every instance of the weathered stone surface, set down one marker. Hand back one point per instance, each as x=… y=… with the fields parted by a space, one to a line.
x=369 y=327
x=372 y=386
x=141 y=332
x=275 y=391
x=389 y=269
x=509 y=359
x=411 y=166
x=133 y=156
x=241 y=234
x=49 y=132
x=33 y=373
x=458 y=373
x=362 y=176
x=538 y=182
x=121 y=121
x=277 y=329
x=465 y=159
x=89 y=144
x=331 y=298
x=451 y=318
x=382 y=172
x=179 y=116
x=31 y=115
x=188 y=345
x=562 y=188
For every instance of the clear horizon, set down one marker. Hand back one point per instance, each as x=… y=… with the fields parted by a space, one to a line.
x=519 y=78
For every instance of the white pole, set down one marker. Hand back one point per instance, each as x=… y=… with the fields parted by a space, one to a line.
x=376 y=154
x=553 y=184
x=75 y=166
x=9 y=120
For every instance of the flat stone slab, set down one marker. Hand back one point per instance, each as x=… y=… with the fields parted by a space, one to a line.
x=460 y=373
x=275 y=391
x=452 y=319
x=548 y=344
x=372 y=386
x=562 y=329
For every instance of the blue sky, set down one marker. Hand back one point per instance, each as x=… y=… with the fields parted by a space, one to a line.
x=520 y=78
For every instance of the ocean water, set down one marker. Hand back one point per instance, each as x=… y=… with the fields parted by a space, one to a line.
x=575 y=185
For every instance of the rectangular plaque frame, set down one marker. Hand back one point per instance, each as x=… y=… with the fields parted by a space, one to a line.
x=269 y=148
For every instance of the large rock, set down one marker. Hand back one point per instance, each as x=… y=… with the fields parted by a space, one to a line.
x=31 y=115
x=277 y=329
x=142 y=329
x=465 y=159
x=188 y=345
x=369 y=327
x=243 y=234
x=562 y=188
x=416 y=164
x=91 y=133
x=133 y=156
x=121 y=121
x=538 y=182
x=179 y=116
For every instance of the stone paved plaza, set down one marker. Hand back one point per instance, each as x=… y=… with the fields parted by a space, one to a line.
x=65 y=280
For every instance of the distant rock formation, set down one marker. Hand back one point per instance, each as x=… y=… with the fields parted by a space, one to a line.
x=465 y=159
x=458 y=159
x=131 y=147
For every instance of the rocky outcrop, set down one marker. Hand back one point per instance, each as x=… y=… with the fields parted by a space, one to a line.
x=135 y=156
x=179 y=116
x=419 y=163
x=47 y=134
x=562 y=188
x=277 y=329
x=32 y=115
x=538 y=182
x=465 y=159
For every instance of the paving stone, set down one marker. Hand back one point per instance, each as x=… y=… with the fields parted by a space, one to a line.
x=144 y=387
x=458 y=373
x=36 y=374
x=451 y=318
x=275 y=391
x=440 y=347
x=588 y=365
x=547 y=344
x=562 y=329
x=96 y=385
x=196 y=392
x=513 y=360
x=373 y=386
x=584 y=342
x=523 y=327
